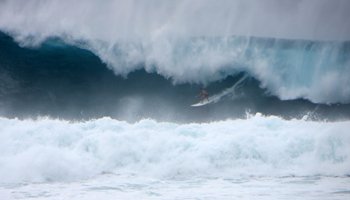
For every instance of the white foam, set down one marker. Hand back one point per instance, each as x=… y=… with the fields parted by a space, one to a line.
x=58 y=150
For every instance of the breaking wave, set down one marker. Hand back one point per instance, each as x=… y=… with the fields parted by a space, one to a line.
x=171 y=39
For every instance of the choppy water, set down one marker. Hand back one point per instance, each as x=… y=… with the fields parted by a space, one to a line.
x=133 y=186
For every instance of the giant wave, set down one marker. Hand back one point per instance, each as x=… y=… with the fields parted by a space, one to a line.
x=65 y=81
x=290 y=69
x=175 y=43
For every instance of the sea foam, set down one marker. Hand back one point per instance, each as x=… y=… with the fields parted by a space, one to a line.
x=59 y=150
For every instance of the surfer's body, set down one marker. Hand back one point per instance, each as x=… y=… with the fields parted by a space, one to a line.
x=203 y=95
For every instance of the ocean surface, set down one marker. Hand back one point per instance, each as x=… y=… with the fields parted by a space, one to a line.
x=95 y=100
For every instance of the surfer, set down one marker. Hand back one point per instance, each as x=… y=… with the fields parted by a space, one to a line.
x=203 y=95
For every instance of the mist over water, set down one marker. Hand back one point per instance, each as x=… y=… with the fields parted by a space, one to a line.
x=115 y=19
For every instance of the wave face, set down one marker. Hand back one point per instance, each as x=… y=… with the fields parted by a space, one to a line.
x=54 y=150
x=193 y=43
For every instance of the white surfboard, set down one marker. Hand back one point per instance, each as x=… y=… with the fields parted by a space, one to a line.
x=201 y=103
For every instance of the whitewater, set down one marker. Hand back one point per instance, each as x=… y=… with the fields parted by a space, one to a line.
x=46 y=158
x=95 y=99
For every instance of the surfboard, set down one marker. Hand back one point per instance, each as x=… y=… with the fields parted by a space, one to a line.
x=201 y=103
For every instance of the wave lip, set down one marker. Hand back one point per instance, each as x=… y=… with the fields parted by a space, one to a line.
x=56 y=150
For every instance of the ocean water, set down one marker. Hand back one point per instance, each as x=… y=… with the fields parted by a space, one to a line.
x=95 y=99
x=138 y=187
